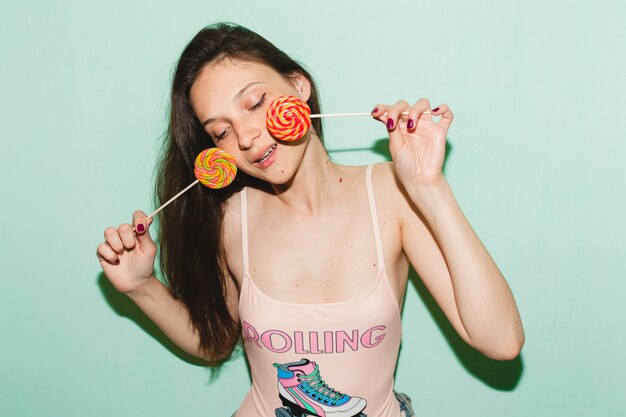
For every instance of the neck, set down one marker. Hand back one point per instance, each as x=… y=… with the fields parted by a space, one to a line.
x=310 y=188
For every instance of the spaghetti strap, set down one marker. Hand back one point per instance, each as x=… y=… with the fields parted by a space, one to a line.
x=374 y=215
x=244 y=229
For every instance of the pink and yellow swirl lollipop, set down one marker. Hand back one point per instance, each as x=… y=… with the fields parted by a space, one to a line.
x=288 y=118
x=215 y=168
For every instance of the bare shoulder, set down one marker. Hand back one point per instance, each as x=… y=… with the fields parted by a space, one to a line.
x=384 y=173
x=389 y=191
x=395 y=201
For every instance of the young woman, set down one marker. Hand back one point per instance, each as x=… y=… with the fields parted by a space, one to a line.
x=303 y=259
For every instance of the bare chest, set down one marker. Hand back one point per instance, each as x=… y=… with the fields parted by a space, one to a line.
x=316 y=260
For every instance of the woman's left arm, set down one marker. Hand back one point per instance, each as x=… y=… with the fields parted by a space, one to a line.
x=447 y=253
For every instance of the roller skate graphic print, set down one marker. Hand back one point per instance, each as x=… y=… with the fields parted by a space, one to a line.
x=304 y=393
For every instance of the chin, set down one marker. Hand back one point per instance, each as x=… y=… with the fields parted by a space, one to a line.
x=282 y=179
x=280 y=176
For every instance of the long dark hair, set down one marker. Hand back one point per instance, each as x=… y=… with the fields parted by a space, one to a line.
x=190 y=229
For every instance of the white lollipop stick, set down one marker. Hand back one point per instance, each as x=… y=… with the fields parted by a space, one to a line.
x=313 y=116
x=172 y=199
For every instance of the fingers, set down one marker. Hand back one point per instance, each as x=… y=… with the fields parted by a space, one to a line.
x=112 y=247
x=446 y=115
x=140 y=225
x=419 y=111
x=401 y=114
x=391 y=115
x=106 y=254
x=117 y=240
x=394 y=114
x=127 y=235
x=123 y=238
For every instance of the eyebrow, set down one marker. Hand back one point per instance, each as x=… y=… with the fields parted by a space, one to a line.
x=235 y=97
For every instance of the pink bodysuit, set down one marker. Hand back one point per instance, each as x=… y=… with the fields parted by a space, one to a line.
x=327 y=359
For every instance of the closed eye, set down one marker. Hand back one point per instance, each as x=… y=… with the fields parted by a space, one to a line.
x=260 y=103
x=255 y=107
x=221 y=135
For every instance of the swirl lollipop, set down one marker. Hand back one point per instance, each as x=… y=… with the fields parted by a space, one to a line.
x=214 y=168
x=288 y=118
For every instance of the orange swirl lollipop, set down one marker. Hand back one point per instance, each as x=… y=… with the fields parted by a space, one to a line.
x=215 y=168
x=288 y=118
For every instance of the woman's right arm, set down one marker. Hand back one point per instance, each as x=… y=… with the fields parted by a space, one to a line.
x=127 y=259
x=170 y=315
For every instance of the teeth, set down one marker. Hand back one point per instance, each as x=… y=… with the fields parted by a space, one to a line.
x=269 y=151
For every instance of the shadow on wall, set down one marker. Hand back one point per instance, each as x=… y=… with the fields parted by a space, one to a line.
x=500 y=375
x=125 y=307
x=381 y=147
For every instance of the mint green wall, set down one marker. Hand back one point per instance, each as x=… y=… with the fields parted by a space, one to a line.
x=536 y=161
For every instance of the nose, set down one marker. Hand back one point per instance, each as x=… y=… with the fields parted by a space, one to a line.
x=247 y=133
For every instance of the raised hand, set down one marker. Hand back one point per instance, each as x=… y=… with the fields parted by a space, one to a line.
x=416 y=142
x=128 y=253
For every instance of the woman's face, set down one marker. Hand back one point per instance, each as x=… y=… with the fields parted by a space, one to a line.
x=230 y=98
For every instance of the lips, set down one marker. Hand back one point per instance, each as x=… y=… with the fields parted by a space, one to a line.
x=263 y=155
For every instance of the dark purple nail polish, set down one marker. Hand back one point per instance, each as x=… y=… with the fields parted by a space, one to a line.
x=409 y=124
x=390 y=124
x=140 y=228
x=375 y=110
x=435 y=109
